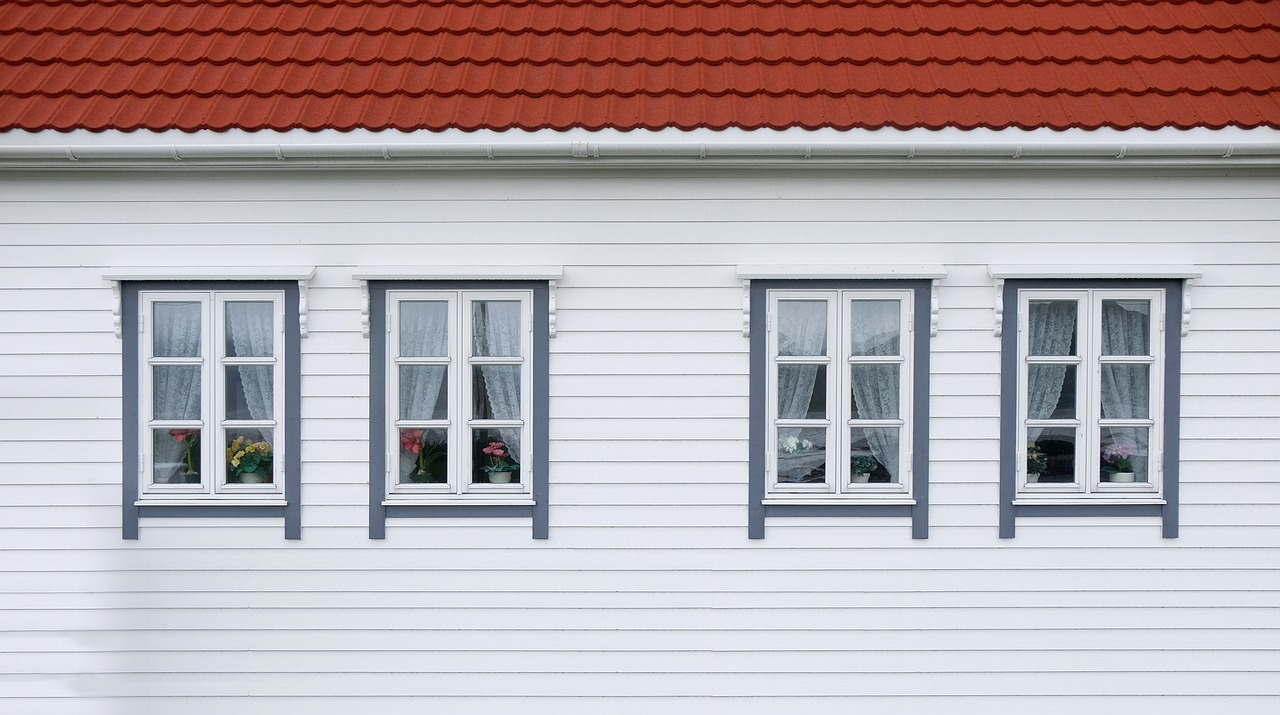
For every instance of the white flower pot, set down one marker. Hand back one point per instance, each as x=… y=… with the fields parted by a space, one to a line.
x=862 y=478
x=1033 y=478
x=499 y=477
x=1122 y=476
x=254 y=478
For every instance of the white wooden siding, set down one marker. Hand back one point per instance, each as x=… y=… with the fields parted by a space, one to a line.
x=648 y=594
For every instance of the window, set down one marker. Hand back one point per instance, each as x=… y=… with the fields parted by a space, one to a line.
x=458 y=399
x=1088 y=361
x=837 y=397
x=1089 y=392
x=211 y=377
x=839 y=394
x=459 y=392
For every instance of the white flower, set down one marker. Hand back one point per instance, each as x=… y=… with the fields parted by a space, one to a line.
x=790 y=444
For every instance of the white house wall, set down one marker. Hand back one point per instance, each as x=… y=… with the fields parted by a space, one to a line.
x=647 y=596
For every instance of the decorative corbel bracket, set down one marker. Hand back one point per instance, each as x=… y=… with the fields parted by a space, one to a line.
x=551 y=308
x=364 y=309
x=746 y=308
x=1186 y=306
x=304 y=284
x=999 y=306
x=117 y=310
x=933 y=308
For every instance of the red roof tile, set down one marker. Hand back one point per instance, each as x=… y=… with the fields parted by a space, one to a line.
x=626 y=64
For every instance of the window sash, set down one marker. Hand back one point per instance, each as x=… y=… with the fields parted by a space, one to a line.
x=213 y=421
x=1088 y=423
x=838 y=423
x=458 y=422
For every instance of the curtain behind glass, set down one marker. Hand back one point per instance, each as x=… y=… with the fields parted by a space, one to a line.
x=802 y=331
x=424 y=331
x=175 y=392
x=249 y=329
x=1125 y=388
x=496 y=327
x=875 y=327
x=1051 y=328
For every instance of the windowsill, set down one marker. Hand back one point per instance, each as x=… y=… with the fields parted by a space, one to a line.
x=458 y=500
x=1082 y=500
x=842 y=500
x=209 y=501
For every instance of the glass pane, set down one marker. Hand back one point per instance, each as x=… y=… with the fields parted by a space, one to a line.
x=1052 y=326
x=176 y=332
x=175 y=392
x=1124 y=391
x=424 y=456
x=249 y=456
x=249 y=392
x=249 y=329
x=1051 y=392
x=802 y=455
x=874 y=392
x=495 y=392
x=873 y=455
x=875 y=326
x=1126 y=327
x=495 y=454
x=802 y=327
x=1052 y=450
x=496 y=326
x=1125 y=454
x=424 y=328
x=802 y=392
x=176 y=455
x=424 y=392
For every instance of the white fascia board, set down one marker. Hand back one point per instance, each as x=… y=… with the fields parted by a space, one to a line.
x=669 y=147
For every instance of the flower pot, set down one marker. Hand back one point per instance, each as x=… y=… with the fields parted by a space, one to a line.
x=1033 y=478
x=1122 y=476
x=254 y=477
x=499 y=477
x=861 y=478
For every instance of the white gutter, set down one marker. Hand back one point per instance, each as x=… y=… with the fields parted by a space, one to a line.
x=916 y=148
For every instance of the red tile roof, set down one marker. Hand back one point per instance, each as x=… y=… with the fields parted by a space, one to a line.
x=627 y=64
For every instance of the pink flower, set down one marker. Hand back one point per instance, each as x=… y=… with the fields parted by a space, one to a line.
x=411 y=439
x=495 y=449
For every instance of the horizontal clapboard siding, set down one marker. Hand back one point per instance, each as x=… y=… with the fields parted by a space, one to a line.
x=648 y=594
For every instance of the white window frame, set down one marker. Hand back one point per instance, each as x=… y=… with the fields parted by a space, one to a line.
x=459 y=422
x=213 y=423
x=1088 y=423
x=838 y=422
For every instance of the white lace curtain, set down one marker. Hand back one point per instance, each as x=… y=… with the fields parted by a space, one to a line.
x=1126 y=330
x=497 y=333
x=424 y=332
x=876 y=328
x=249 y=328
x=176 y=332
x=803 y=333
x=1052 y=326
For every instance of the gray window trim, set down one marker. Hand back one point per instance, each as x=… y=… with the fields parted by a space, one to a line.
x=379 y=512
x=131 y=512
x=757 y=511
x=1168 y=512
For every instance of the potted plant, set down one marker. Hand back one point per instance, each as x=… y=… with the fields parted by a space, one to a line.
x=1037 y=462
x=501 y=463
x=249 y=462
x=190 y=438
x=1116 y=466
x=861 y=466
x=429 y=460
